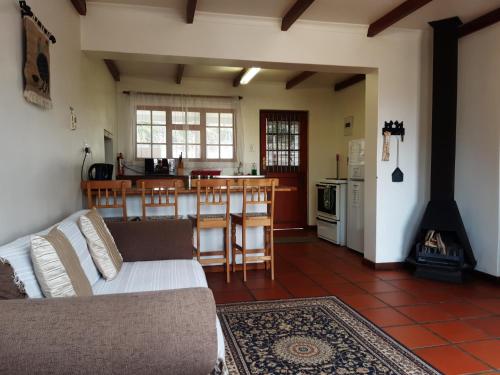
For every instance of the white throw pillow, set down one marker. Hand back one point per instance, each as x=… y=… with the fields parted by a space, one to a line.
x=102 y=246
x=57 y=267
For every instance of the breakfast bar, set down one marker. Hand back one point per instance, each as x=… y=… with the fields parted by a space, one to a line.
x=187 y=203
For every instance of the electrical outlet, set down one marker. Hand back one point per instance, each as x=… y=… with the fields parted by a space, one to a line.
x=86 y=149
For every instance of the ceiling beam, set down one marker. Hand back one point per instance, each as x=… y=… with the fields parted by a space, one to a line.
x=190 y=10
x=80 y=6
x=180 y=73
x=294 y=13
x=398 y=13
x=237 y=79
x=298 y=79
x=113 y=69
x=479 y=23
x=349 y=82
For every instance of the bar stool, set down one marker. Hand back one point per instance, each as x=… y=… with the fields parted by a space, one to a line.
x=160 y=193
x=212 y=193
x=103 y=191
x=255 y=192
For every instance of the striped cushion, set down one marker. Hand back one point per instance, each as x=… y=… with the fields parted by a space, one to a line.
x=57 y=267
x=102 y=246
x=71 y=230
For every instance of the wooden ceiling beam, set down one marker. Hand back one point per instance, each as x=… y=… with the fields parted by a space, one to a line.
x=398 y=13
x=190 y=10
x=298 y=79
x=294 y=13
x=479 y=23
x=180 y=73
x=237 y=79
x=349 y=82
x=80 y=6
x=113 y=69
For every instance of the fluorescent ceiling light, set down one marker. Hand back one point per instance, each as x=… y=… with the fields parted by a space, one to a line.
x=249 y=74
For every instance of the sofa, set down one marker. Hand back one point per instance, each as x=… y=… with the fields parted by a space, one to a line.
x=156 y=317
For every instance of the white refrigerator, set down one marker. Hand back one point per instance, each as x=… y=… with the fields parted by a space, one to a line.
x=355 y=196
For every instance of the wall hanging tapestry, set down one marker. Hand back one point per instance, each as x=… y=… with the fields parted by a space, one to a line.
x=36 y=67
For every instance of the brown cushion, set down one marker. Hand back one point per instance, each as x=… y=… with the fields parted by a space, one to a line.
x=10 y=286
x=153 y=240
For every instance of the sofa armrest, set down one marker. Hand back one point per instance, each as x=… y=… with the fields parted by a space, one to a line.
x=167 y=332
x=153 y=240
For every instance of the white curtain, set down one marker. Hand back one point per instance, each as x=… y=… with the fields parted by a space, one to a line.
x=186 y=102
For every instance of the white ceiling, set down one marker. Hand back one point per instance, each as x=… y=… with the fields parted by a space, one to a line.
x=341 y=11
x=166 y=71
x=344 y=11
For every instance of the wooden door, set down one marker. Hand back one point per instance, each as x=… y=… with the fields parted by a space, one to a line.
x=283 y=155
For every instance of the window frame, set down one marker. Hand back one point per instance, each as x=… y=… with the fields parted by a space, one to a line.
x=201 y=127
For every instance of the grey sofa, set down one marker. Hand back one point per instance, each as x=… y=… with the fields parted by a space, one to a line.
x=157 y=317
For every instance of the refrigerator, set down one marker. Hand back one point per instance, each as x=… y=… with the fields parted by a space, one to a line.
x=355 y=195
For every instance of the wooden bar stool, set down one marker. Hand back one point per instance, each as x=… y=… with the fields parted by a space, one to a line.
x=255 y=192
x=160 y=193
x=103 y=194
x=212 y=193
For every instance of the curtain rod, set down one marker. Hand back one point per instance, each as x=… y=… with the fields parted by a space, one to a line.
x=127 y=92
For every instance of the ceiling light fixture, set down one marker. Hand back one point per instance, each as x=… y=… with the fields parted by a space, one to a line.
x=249 y=74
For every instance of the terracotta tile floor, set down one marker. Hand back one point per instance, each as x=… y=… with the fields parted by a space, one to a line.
x=454 y=327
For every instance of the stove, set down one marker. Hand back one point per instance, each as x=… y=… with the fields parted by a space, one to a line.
x=331 y=210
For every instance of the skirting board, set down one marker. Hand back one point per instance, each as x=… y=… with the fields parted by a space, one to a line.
x=384 y=266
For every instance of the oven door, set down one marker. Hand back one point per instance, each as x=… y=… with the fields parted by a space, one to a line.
x=327 y=201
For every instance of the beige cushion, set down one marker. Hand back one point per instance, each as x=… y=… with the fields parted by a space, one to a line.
x=57 y=267
x=102 y=246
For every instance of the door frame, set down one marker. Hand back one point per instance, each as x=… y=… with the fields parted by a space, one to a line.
x=303 y=157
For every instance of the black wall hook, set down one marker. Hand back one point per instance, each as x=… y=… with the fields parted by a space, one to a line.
x=395 y=128
x=27 y=12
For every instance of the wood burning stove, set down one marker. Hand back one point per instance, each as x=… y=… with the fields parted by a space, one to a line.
x=448 y=260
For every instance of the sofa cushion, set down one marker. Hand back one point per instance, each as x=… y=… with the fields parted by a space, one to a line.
x=156 y=276
x=69 y=227
x=10 y=286
x=57 y=267
x=18 y=255
x=153 y=276
x=102 y=246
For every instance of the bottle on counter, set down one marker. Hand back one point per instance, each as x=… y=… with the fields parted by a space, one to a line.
x=254 y=169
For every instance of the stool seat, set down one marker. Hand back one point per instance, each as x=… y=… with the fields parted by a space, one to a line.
x=208 y=217
x=253 y=219
x=162 y=217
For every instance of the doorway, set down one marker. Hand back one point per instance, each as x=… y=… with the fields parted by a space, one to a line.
x=283 y=155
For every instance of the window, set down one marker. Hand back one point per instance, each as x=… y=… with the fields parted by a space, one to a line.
x=151 y=134
x=219 y=129
x=199 y=134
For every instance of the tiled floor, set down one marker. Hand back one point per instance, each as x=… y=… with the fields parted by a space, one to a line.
x=454 y=327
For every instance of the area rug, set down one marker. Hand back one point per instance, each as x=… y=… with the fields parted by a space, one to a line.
x=310 y=336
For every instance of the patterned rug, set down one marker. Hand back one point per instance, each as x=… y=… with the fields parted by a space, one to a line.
x=310 y=336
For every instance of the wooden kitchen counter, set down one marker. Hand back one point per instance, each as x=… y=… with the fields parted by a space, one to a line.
x=237 y=188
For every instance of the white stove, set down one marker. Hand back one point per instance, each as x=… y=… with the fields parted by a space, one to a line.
x=331 y=210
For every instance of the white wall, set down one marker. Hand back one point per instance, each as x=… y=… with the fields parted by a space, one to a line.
x=40 y=156
x=396 y=54
x=349 y=102
x=321 y=104
x=477 y=163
